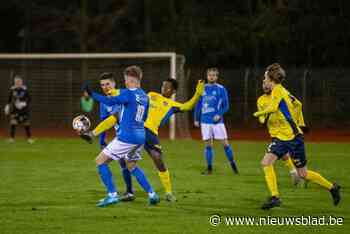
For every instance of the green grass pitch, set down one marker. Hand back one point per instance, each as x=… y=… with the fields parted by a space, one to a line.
x=52 y=187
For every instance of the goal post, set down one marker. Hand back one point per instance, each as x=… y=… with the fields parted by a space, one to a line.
x=170 y=56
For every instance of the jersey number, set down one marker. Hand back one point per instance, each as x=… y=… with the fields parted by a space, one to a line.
x=139 y=113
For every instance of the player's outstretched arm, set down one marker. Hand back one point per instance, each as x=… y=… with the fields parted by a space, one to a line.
x=276 y=98
x=197 y=95
x=109 y=101
x=262 y=118
x=105 y=125
x=101 y=128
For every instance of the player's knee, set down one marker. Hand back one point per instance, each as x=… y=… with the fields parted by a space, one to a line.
x=266 y=161
x=160 y=165
x=100 y=159
x=285 y=157
x=302 y=172
x=225 y=143
x=155 y=154
x=208 y=143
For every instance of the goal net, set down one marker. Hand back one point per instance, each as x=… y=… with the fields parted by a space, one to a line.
x=55 y=82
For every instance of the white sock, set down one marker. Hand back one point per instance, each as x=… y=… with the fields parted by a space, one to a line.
x=112 y=194
x=294 y=171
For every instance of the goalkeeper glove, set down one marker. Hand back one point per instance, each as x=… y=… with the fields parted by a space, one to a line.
x=87 y=88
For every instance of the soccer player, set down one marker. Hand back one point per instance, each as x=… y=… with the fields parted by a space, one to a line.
x=18 y=107
x=287 y=137
x=262 y=103
x=130 y=137
x=107 y=84
x=160 y=110
x=208 y=114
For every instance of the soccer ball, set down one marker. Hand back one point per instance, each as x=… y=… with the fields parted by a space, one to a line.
x=81 y=123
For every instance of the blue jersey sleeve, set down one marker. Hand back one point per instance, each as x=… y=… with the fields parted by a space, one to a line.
x=123 y=98
x=224 y=107
x=198 y=110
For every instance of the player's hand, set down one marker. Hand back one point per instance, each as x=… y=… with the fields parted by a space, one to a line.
x=257 y=114
x=87 y=88
x=216 y=118
x=196 y=124
x=305 y=129
x=200 y=87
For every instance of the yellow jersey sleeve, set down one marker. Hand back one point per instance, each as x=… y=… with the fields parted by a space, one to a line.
x=276 y=97
x=261 y=103
x=298 y=109
x=105 y=125
x=192 y=102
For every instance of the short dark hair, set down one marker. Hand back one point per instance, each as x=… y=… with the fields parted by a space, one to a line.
x=134 y=71
x=276 y=73
x=107 y=76
x=173 y=82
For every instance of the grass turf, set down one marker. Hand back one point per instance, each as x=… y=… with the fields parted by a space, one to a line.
x=52 y=187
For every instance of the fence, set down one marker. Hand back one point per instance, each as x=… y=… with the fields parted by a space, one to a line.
x=323 y=91
x=55 y=87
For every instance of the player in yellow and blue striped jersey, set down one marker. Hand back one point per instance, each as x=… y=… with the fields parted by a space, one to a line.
x=287 y=137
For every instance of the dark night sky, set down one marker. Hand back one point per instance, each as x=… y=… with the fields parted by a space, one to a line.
x=311 y=32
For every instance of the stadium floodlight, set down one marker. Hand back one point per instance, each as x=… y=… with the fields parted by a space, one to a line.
x=171 y=56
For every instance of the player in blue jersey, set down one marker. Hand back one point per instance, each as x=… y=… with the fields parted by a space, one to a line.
x=107 y=84
x=208 y=114
x=130 y=135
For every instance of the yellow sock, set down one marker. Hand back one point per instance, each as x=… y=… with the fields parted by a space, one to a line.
x=318 y=179
x=105 y=125
x=271 y=180
x=165 y=179
x=289 y=164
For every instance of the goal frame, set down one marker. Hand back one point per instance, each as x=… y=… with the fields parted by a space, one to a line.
x=47 y=56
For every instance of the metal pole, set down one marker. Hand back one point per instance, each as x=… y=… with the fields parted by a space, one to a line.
x=172 y=126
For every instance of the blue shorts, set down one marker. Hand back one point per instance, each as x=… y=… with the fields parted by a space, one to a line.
x=295 y=148
x=152 y=142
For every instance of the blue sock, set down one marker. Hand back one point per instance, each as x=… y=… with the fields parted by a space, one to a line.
x=209 y=156
x=141 y=178
x=126 y=176
x=106 y=177
x=229 y=153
